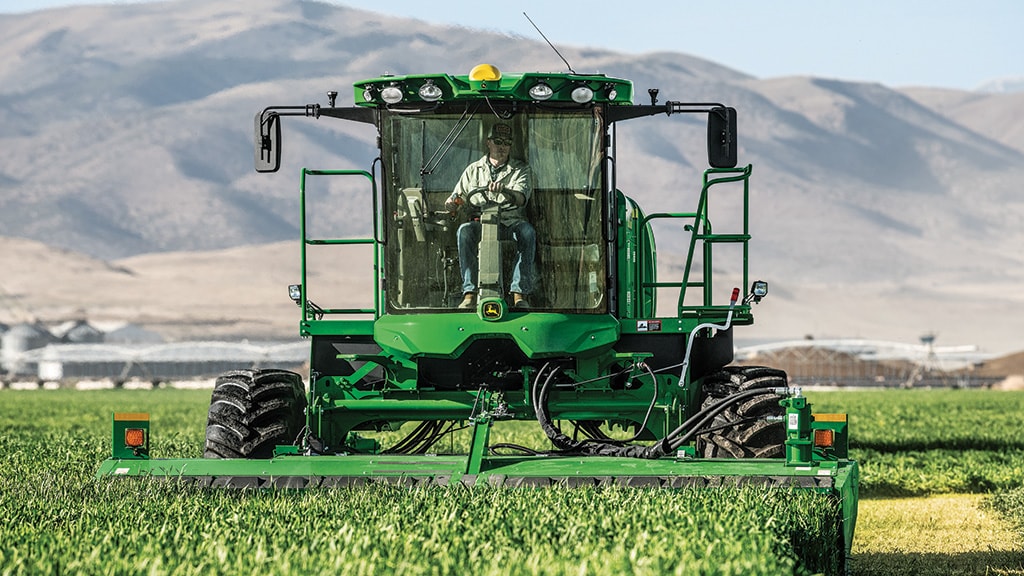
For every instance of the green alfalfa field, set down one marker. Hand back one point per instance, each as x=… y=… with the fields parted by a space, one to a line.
x=941 y=494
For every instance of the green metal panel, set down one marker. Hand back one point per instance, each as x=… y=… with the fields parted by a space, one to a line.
x=537 y=333
x=313 y=327
x=381 y=466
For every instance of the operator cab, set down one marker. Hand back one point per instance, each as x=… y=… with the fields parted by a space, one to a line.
x=587 y=260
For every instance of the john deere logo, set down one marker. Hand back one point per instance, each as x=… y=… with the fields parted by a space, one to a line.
x=491 y=310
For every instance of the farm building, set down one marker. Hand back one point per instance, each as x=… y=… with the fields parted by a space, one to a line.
x=858 y=363
x=161 y=362
x=78 y=350
x=15 y=343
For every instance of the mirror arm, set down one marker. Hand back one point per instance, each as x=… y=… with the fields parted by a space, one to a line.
x=268 y=128
x=721 y=124
x=354 y=113
x=307 y=110
x=690 y=107
x=616 y=113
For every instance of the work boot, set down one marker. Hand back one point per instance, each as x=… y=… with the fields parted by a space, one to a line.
x=467 y=301
x=519 y=301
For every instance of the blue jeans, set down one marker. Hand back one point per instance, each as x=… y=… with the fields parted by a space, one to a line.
x=526 y=248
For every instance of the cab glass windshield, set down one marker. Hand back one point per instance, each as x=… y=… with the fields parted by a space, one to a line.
x=550 y=159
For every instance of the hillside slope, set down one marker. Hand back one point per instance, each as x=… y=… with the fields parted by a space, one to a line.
x=876 y=212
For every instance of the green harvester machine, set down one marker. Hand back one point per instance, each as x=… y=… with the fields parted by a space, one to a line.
x=627 y=392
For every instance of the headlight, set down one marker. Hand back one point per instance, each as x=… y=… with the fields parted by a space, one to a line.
x=758 y=290
x=430 y=92
x=391 y=94
x=541 y=91
x=582 y=95
x=368 y=95
x=295 y=293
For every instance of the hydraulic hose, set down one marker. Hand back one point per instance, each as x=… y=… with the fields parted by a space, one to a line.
x=672 y=441
x=689 y=341
x=567 y=444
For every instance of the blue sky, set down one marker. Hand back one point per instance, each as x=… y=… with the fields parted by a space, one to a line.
x=940 y=43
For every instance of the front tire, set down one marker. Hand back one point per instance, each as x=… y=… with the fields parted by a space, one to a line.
x=252 y=411
x=741 y=431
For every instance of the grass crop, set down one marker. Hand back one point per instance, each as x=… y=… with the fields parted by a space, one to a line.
x=60 y=519
x=958 y=453
x=921 y=442
x=1011 y=505
x=898 y=420
x=943 y=535
x=137 y=526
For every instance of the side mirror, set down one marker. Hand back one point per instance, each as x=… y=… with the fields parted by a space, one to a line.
x=268 y=142
x=722 y=137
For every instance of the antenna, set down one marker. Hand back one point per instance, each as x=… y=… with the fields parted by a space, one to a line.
x=550 y=44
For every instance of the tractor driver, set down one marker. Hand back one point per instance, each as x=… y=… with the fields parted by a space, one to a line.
x=498 y=179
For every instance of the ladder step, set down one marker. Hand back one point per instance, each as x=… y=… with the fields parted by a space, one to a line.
x=724 y=237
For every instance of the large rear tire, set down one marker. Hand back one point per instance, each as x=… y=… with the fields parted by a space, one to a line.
x=740 y=431
x=252 y=411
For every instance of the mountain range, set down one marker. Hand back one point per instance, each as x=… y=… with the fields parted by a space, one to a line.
x=126 y=170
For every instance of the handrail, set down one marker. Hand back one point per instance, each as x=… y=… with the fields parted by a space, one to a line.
x=700 y=229
x=644 y=248
x=308 y=313
x=741 y=175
